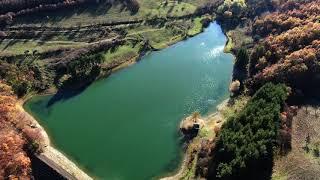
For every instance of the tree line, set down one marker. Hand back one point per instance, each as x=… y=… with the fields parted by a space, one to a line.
x=10 y=9
x=244 y=149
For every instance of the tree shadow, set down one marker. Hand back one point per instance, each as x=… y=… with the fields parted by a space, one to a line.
x=261 y=169
x=10 y=43
x=53 y=17
x=63 y=95
x=174 y=164
x=74 y=86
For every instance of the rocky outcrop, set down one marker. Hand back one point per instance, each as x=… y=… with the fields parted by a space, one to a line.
x=191 y=125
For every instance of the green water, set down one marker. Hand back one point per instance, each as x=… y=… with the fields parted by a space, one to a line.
x=125 y=127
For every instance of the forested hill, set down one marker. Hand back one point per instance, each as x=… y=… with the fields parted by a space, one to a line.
x=288 y=47
x=281 y=44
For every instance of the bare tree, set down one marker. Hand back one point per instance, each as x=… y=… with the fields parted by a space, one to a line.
x=306 y=108
x=314 y=107
x=195 y=116
x=307 y=141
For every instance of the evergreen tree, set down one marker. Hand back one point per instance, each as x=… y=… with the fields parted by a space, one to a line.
x=241 y=65
x=247 y=140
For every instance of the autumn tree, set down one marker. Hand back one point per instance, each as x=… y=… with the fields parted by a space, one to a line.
x=287 y=50
x=14 y=162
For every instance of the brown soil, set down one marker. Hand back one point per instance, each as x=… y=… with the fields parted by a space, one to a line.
x=299 y=164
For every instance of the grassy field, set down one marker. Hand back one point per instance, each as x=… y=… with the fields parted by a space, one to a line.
x=104 y=13
x=196 y=28
x=301 y=162
x=122 y=52
x=237 y=38
x=159 y=36
x=12 y=46
x=172 y=32
x=229 y=46
x=236 y=107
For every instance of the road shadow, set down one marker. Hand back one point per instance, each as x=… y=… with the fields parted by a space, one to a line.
x=41 y=170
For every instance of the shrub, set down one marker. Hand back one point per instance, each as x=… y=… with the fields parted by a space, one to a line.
x=234 y=87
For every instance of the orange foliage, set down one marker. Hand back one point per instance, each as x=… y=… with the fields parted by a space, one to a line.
x=14 y=162
x=290 y=39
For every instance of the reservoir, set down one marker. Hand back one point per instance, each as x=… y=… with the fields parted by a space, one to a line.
x=125 y=127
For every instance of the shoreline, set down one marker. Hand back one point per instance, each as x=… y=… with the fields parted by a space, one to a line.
x=179 y=173
x=214 y=117
x=57 y=156
x=51 y=153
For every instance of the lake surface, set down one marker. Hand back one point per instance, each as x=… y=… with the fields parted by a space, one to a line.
x=125 y=127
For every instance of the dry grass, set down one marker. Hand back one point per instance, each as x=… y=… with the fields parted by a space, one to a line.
x=298 y=164
x=237 y=38
x=235 y=107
